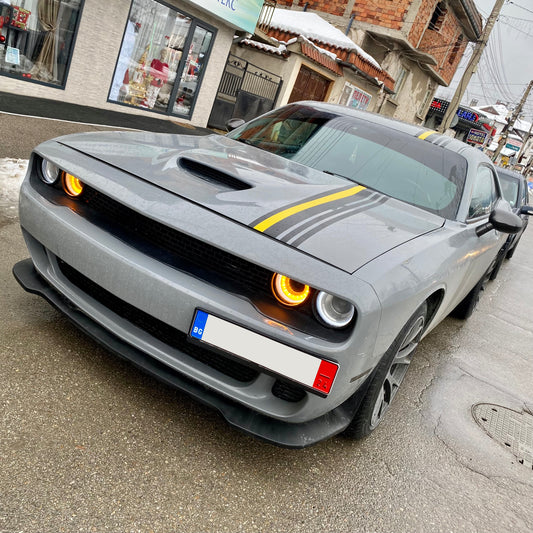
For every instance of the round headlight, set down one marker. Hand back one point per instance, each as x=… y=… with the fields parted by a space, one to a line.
x=289 y=292
x=334 y=311
x=72 y=186
x=50 y=172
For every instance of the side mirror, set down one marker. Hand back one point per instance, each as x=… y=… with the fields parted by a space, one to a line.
x=501 y=219
x=526 y=210
x=234 y=123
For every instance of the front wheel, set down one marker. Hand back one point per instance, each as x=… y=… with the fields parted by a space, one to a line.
x=388 y=377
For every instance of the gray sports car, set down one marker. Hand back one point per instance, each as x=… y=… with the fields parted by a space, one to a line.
x=283 y=274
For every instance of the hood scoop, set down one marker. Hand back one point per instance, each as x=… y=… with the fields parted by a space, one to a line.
x=212 y=174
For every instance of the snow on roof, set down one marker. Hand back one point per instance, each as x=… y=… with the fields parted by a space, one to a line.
x=502 y=113
x=496 y=110
x=279 y=50
x=314 y=27
x=522 y=125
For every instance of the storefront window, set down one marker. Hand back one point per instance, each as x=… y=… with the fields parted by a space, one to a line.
x=37 y=37
x=161 y=59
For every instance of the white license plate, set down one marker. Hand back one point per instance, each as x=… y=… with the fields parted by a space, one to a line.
x=313 y=372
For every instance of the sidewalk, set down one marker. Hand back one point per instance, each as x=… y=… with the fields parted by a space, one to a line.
x=53 y=109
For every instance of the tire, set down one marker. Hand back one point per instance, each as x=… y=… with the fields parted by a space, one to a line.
x=466 y=307
x=511 y=252
x=388 y=377
x=497 y=265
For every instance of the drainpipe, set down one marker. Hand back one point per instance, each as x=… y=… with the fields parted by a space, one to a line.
x=349 y=24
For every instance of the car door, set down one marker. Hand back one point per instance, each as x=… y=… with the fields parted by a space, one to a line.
x=524 y=200
x=481 y=250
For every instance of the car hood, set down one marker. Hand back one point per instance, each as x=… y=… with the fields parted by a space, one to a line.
x=328 y=217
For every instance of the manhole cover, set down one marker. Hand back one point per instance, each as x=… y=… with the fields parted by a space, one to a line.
x=510 y=428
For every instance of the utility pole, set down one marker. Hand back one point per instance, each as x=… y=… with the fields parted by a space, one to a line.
x=510 y=123
x=470 y=68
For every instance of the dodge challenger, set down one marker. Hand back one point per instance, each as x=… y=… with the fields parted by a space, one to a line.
x=282 y=274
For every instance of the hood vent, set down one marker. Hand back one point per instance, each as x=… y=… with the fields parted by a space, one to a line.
x=213 y=175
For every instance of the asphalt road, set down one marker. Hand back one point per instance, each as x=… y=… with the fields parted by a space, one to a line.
x=89 y=443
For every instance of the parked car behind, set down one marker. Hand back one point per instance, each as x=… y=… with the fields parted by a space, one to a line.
x=515 y=191
x=283 y=274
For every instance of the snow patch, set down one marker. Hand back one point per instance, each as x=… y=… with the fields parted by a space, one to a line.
x=12 y=172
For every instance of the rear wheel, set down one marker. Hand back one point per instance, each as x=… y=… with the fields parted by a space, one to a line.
x=511 y=252
x=466 y=307
x=388 y=377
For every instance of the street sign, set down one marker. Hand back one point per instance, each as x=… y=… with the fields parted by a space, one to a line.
x=513 y=144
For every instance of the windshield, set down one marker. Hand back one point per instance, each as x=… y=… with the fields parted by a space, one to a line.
x=509 y=188
x=370 y=154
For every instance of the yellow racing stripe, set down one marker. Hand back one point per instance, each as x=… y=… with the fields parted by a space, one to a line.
x=426 y=134
x=274 y=219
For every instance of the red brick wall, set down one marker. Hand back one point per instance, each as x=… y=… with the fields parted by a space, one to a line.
x=333 y=7
x=422 y=19
x=386 y=13
x=440 y=45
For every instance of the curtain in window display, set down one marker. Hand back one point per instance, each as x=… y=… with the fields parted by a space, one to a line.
x=45 y=68
x=40 y=44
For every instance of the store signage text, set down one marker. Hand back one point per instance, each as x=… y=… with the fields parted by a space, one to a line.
x=228 y=3
x=354 y=97
x=241 y=14
x=467 y=115
x=513 y=144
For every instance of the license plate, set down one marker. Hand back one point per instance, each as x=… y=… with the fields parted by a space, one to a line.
x=308 y=370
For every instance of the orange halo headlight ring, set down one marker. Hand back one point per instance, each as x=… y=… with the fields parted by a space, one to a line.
x=71 y=185
x=288 y=291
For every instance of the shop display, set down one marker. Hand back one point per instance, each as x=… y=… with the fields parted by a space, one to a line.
x=37 y=39
x=152 y=60
x=20 y=17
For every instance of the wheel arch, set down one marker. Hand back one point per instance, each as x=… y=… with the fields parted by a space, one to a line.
x=434 y=302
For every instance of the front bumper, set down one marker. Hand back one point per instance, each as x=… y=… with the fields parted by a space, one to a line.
x=292 y=435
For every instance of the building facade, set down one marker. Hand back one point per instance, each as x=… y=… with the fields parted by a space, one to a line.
x=418 y=42
x=177 y=57
x=135 y=56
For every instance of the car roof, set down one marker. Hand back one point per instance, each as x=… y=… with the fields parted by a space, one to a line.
x=413 y=130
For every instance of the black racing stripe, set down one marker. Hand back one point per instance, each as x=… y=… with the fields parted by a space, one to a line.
x=335 y=205
x=299 y=202
x=341 y=216
x=356 y=202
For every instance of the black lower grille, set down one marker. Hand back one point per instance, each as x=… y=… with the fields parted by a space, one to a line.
x=158 y=329
x=289 y=392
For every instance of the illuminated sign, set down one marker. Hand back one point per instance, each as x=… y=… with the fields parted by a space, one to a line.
x=476 y=136
x=241 y=14
x=467 y=115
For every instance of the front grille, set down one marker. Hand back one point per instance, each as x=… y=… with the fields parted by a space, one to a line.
x=178 y=249
x=158 y=329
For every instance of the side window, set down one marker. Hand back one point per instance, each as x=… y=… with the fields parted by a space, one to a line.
x=484 y=194
x=525 y=194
